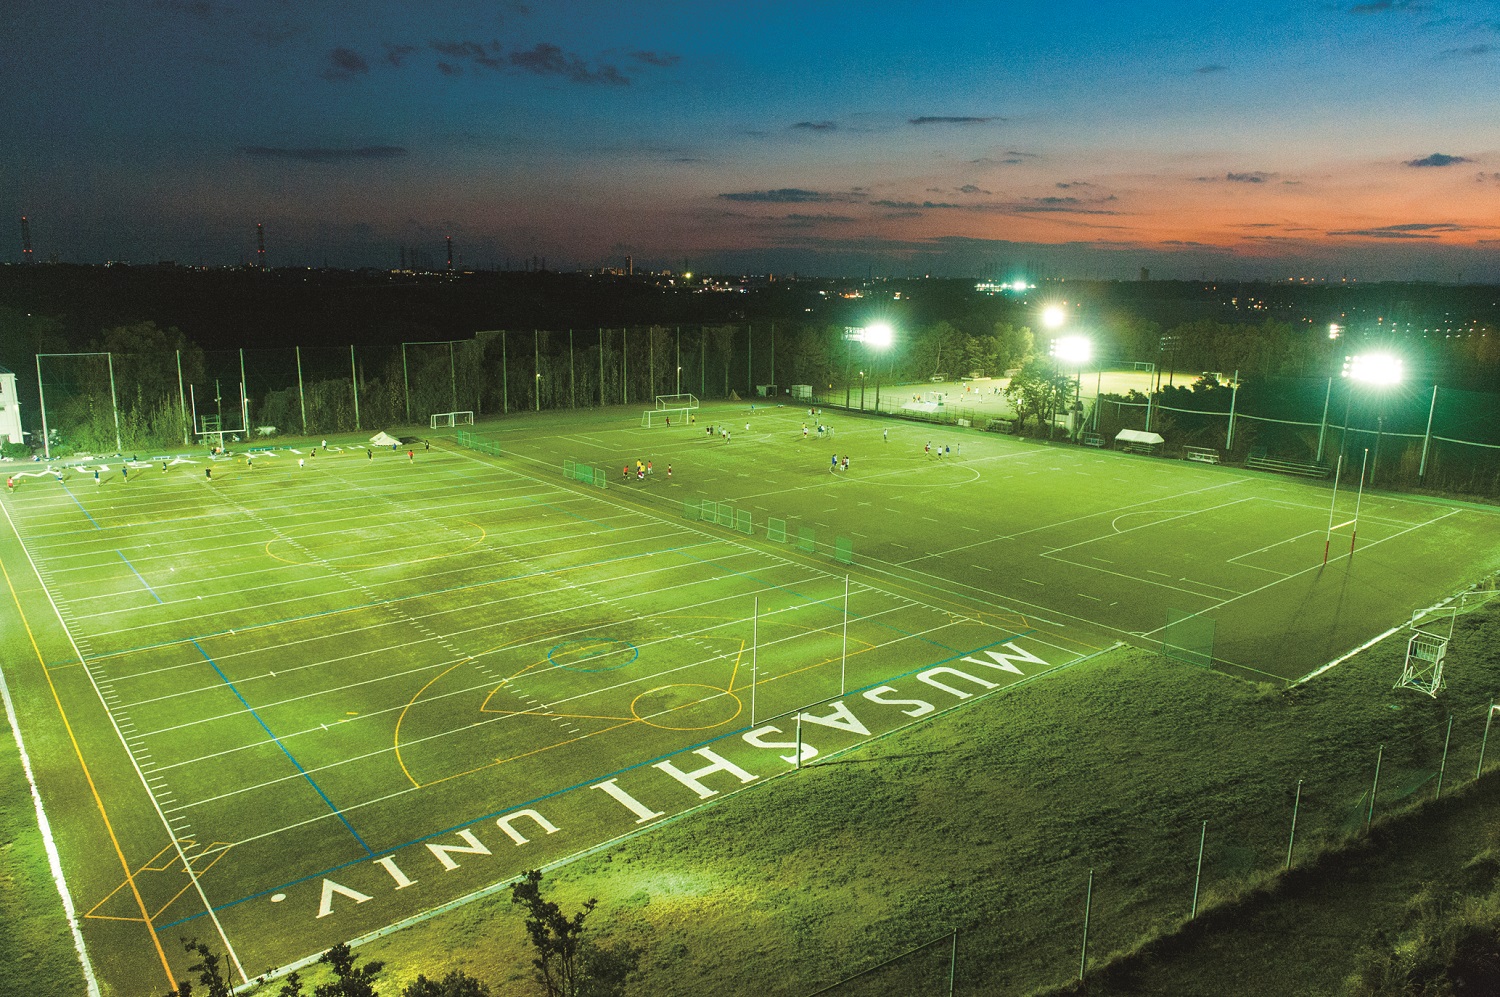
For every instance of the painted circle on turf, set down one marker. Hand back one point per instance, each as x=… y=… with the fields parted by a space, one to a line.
x=936 y=474
x=689 y=707
x=602 y=654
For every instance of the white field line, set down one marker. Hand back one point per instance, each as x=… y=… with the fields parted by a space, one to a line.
x=1315 y=567
x=1150 y=525
x=1136 y=578
x=134 y=763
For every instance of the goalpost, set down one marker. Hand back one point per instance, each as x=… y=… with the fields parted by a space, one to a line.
x=447 y=420
x=652 y=418
x=683 y=402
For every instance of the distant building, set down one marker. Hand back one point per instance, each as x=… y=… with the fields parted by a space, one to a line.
x=1145 y=273
x=10 y=409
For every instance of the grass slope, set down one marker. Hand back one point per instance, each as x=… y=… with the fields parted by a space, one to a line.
x=988 y=821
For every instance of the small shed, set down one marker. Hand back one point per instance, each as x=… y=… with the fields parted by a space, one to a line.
x=1138 y=441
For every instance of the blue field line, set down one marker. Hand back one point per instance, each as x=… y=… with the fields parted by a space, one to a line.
x=567 y=789
x=138 y=575
x=336 y=811
x=395 y=600
x=79 y=504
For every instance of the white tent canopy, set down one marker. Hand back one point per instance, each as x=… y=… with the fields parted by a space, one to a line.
x=383 y=439
x=1137 y=436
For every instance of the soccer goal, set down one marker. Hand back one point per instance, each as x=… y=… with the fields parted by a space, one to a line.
x=447 y=420
x=664 y=402
x=661 y=417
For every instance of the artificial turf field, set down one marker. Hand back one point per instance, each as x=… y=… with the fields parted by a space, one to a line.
x=314 y=701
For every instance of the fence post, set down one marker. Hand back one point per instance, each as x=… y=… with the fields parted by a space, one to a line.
x=1375 y=788
x=953 y=963
x=1088 y=903
x=1292 y=839
x=1202 y=836
x=1487 y=718
x=1443 y=766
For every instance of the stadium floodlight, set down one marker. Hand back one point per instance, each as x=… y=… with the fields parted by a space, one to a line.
x=1374 y=368
x=1053 y=316
x=1073 y=350
x=878 y=335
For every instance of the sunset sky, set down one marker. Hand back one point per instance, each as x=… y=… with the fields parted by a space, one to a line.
x=822 y=137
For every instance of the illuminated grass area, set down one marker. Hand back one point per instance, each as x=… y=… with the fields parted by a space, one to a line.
x=316 y=700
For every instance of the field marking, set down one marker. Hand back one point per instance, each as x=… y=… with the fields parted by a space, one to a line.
x=134 y=764
x=290 y=757
x=1144 y=526
x=1315 y=567
x=138 y=576
x=1134 y=578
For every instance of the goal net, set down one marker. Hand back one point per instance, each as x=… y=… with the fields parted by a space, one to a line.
x=447 y=420
x=661 y=417
x=684 y=402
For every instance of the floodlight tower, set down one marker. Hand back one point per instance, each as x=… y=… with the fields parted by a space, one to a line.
x=877 y=335
x=1380 y=371
x=1075 y=351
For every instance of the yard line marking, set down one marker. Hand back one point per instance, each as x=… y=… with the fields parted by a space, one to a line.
x=79 y=504
x=980 y=567
x=318 y=789
x=1084 y=595
x=138 y=576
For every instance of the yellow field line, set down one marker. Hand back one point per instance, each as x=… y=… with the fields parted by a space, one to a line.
x=113 y=839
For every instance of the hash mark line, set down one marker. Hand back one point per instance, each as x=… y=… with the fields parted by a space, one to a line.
x=284 y=751
x=138 y=576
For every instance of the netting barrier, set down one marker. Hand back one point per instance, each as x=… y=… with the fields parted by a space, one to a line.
x=776 y=530
x=843 y=550
x=1188 y=637
x=806 y=539
x=744 y=523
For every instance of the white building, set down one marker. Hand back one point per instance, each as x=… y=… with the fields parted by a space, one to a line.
x=10 y=409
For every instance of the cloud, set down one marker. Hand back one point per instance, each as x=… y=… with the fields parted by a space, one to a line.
x=969 y=188
x=1073 y=183
x=1437 y=159
x=396 y=55
x=807 y=221
x=657 y=58
x=323 y=155
x=1056 y=200
x=914 y=205
x=783 y=195
x=815 y=126
x=345 y=64
x=482 y=54
x=1254 y=176
x=1468 y=52
x=1378 y=6
x=687 y=159
x=546 y=59
x=1210 y=69
x=449 y=69
x=946 y=119
x=1410 y=230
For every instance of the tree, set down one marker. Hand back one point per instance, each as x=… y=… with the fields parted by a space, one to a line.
x=349 y=980
x=567 y=964
x=455 y=984
x=1037 y=389
x=209 y=967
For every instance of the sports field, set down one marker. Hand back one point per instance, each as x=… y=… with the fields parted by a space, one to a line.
x=290 y=705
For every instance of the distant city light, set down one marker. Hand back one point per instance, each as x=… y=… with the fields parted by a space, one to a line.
x=1053 y=316
x=1073 y=350
x=1374 y=368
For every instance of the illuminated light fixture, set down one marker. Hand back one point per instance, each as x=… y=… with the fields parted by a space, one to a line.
x=1374 y=368
x=878 y=335
x=1053 y=316
x=1335 y=330
x=1073 y=350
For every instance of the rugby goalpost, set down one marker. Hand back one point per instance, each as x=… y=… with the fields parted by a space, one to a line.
x=447 y=420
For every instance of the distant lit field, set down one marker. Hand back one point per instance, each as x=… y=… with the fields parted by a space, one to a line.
x=289 y=705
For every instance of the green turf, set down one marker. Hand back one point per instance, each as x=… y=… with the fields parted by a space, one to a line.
x=314 y=668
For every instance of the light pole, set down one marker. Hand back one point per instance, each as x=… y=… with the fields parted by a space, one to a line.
x=878 y=336
x=1076 y=351
x=1380 y=370
x=679 y=380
